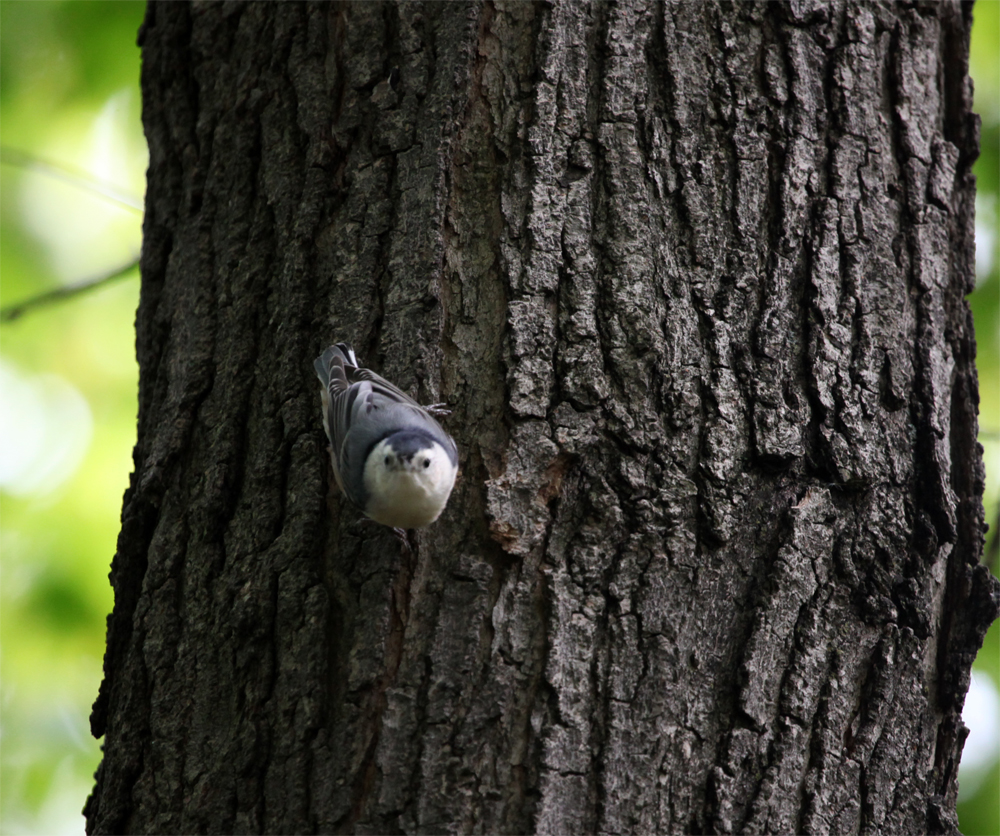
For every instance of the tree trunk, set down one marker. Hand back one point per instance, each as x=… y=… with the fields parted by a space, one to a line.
x=691 y=277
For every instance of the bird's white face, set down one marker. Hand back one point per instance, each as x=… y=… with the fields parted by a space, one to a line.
x=407 y=491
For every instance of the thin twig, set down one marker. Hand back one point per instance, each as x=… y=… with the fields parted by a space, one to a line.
x=68 y=174
x=12 y=312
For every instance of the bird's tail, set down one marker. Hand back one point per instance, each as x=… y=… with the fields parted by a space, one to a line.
x=331 y=364
x=348 y=354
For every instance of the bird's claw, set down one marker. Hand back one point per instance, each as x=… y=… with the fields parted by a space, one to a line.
x=404 y=538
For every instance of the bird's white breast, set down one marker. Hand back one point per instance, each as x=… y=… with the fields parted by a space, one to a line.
x=407 y=495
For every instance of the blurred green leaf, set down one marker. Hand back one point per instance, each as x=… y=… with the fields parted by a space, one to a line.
x=980 y=814
x=69 y=75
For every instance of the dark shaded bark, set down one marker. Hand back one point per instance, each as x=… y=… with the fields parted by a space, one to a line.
x=692 y=278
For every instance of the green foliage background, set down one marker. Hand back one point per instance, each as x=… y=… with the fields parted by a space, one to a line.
x=69 y=94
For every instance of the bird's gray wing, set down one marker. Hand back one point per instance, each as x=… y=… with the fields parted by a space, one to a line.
x=384 y=391
x=383 y=387
x=344 y=403
x=386 y=394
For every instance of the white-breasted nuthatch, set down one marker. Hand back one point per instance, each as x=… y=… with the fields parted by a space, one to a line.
x=390 y=456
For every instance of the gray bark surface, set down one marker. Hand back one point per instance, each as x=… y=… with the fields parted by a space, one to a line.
x=691 y=277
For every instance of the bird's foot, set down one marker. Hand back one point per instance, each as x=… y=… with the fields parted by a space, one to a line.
x=404 y=537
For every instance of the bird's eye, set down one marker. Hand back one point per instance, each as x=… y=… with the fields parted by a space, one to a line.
x=388 y=460
x=427 y=463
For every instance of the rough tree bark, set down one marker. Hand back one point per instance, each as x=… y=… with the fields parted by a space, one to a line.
x=691 y=276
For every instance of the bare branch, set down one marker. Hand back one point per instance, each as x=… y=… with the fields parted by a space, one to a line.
x=12 y=312
x=73 y=176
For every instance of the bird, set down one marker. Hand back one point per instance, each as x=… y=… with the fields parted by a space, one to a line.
x=391 y=458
